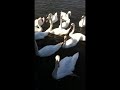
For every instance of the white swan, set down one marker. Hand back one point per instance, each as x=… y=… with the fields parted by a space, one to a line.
x=74 y=38
x=42 y=35
x=64 y=67
x=39 y=22
x=60 y=30
x=54 y=17
x=47 y=50
x=36 y=22
x=65 y=24
x=82 y=22
x=65 y=16
x=38 y=29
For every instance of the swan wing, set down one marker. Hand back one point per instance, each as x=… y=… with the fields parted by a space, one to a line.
x=40 y=35
x=70 y=43
x=49 y=50
x=64 y=65
x=74 y=60
x=36 y=22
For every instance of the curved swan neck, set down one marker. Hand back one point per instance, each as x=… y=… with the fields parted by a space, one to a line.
x=65 y=39
x=60 y=21
x=69 y=13
x=72 y=30
x=51 y=25
x=69 y=30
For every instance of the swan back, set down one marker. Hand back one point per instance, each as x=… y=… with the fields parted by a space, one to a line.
x=83 y=37
x=74 y=60
x=60 y=31
x=66 y=66
x=69 y=43
x=40 y=35
x=49 y=50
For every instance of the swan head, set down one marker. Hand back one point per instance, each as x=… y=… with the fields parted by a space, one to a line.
x=82 y=16
x=72 y=24
x=69 y=13
x=49 y=17
x=41 y=21
x=57 y=58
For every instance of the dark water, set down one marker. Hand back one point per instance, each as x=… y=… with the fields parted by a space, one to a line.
x=44 y=66
x=77 y=7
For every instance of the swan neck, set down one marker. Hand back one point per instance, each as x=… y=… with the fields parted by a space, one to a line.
x=68 y=21
x=51 y=25
x=56 y=69
x=43 y=19
x=69 y=14
x=72 y=30
x=60 y=21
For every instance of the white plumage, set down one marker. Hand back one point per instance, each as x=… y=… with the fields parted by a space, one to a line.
x=82 y=22
x=65 y=16
x=54 y=17
x=74 y=38
x=47 y=50
x=64 y=67
x=60 y=30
